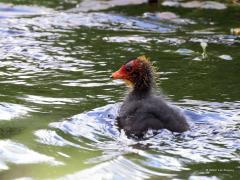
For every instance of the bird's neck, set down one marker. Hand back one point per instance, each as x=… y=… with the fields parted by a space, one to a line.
x=141 y=94
x=142 y=89
x=143 y=83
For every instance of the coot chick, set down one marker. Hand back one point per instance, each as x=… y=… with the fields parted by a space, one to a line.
x=142 y=109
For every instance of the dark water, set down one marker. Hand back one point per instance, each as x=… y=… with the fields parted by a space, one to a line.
x=55 y=62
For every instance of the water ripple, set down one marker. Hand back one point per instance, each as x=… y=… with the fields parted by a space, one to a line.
x=8 y=10
x=66 y=21
x=12 y=152
x=52 y=138
x=11 y=111
x=51 y=100
x=119 y=168
x=214 y=137
x=71 y=53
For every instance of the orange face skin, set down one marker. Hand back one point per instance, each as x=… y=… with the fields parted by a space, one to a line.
x=138 y=71
x=120 y=74
x=124 y=73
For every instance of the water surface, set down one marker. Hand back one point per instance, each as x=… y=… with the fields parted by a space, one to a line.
x=55 y=61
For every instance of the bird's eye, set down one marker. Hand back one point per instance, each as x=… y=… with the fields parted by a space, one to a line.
x=128 y=68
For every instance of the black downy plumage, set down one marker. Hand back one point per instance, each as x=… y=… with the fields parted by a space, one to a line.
x=142 y=109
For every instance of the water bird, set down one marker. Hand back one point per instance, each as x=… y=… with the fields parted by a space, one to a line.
x=142 y=108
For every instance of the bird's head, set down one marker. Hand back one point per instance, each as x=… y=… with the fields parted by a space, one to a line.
x=137 y=73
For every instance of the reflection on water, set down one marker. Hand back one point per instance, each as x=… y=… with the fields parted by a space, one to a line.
x=196 y=4
x=12 y=152
x=55 y=67
x=123 y=169
x=10 y=111
x=210 y=140
x=86 y=5
x=8 y=11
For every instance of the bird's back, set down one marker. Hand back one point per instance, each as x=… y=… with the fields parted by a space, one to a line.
x=136 y=116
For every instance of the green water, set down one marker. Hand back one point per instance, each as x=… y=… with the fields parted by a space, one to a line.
x=55 y=61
